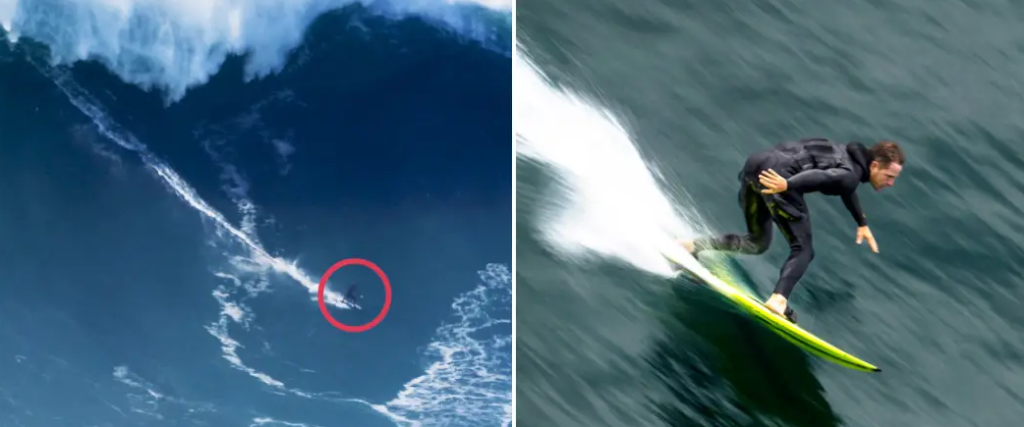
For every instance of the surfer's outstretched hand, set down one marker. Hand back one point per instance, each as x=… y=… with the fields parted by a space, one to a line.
x=864 y=233
x=772 y=181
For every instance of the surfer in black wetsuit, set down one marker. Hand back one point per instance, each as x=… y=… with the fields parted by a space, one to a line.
x=773 y=184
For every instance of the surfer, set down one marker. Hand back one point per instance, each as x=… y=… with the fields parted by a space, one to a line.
x=351 y=294
x=773 y=184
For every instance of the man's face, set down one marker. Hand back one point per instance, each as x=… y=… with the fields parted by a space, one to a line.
x=884 y=176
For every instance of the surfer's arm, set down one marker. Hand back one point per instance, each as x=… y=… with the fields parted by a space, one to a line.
x=817 y=180
x=852 y=203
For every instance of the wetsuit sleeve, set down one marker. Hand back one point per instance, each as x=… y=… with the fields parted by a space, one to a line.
x=817 y=180
x=852 y=203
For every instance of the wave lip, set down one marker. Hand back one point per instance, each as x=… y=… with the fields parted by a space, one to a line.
x=174 y=45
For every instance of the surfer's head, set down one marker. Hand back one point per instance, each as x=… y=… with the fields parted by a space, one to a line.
x=886 y=164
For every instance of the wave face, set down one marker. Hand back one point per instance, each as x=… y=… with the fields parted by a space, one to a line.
x=176 y=181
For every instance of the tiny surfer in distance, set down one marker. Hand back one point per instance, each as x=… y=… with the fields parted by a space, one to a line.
x=772 y=187
x=350 y=295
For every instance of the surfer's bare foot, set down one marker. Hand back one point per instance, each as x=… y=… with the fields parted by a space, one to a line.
x=687 y=244
x=777 y=304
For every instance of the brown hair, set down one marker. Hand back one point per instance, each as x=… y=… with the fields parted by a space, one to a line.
x=886 y=152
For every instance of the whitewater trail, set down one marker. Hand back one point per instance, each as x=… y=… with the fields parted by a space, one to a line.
x=613 y=204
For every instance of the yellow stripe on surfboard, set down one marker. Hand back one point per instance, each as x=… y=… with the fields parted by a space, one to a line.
x=780 y=325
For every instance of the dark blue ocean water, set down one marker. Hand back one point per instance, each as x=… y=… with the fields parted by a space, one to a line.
x=165 y=219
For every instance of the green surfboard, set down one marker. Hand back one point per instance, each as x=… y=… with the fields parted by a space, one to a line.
x=778 y=324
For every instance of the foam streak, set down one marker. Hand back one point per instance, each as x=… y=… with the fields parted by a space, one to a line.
x=178 y=186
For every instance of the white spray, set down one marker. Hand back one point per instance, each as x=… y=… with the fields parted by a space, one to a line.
x=614 y=206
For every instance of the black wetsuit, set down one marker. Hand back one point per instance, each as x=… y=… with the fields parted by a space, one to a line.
x=808 y=165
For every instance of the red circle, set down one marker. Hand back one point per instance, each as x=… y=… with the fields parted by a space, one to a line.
x=387 y=295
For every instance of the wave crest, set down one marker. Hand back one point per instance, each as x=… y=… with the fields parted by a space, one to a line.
x=174 y=45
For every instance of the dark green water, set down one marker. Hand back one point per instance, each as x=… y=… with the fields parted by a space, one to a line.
x=604 y=338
